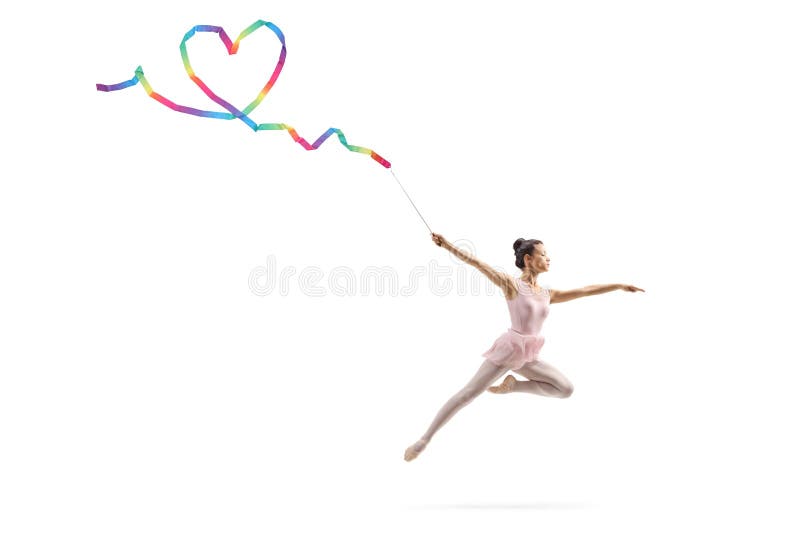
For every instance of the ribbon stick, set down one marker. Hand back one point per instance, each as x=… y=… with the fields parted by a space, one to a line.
x=232 y=112
x=409 y=199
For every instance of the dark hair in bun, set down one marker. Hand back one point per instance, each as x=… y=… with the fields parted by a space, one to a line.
x=522 y=247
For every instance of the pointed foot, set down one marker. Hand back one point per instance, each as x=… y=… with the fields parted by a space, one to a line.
x=507 y=386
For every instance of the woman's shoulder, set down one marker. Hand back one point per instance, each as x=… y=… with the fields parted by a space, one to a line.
x=510 y=288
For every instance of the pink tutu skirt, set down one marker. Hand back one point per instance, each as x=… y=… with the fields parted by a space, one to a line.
x=513 y=350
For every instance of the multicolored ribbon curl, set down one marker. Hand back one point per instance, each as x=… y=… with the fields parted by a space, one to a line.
x=232 y=111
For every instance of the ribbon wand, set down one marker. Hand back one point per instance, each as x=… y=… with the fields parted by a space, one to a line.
x=409 y=199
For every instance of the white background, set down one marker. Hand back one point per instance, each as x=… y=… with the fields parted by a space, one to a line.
x=145 y=387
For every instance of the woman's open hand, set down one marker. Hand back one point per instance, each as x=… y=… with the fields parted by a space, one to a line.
x=626 y=287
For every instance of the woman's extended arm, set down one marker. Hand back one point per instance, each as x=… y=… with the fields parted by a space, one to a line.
x=501 y=280
x=563 y=296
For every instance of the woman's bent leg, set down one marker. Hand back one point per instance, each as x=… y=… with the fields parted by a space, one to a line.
x=544 y=379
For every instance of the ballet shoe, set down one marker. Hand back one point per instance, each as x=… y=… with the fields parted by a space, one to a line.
x=507 y=386
x=414 y=450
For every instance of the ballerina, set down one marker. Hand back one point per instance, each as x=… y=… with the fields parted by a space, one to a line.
x=518 y=348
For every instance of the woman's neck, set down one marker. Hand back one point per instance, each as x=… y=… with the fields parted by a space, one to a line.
x=529 y=277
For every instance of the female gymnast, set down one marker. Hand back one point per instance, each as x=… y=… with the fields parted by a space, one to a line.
x=517 y=349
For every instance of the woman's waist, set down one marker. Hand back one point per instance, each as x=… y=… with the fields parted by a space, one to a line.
x=525 y=334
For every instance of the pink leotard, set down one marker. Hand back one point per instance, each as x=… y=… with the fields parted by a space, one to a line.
x=522 y=342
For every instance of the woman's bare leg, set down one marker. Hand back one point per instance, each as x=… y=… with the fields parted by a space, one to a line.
x=543 y=379
x=487 y=373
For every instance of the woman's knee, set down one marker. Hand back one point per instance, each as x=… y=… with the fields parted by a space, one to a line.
x=468 y=394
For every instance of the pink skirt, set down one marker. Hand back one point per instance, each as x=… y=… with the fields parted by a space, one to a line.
x=513 y=350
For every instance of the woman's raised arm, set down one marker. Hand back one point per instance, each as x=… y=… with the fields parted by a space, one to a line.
x=570 y=294
x=501 y=280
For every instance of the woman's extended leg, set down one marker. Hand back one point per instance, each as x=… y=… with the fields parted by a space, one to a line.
x=544 y=379
x=487 y=373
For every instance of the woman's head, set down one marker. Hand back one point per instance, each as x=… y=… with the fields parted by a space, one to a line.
x=531 y=255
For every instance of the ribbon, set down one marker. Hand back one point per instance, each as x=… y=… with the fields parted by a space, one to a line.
x=232 y=112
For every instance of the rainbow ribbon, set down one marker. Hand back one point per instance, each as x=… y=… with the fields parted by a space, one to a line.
x=233 y=112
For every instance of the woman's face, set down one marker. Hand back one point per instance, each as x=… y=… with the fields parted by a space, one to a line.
x=538 y=261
